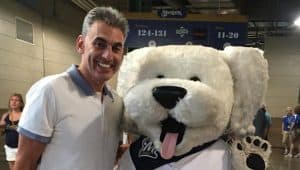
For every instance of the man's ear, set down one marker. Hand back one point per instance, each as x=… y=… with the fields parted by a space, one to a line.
x=80 y=44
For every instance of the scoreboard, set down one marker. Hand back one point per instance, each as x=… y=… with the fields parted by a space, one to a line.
x=155 y=32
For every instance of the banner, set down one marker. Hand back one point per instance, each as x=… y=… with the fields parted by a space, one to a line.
x=164 y=32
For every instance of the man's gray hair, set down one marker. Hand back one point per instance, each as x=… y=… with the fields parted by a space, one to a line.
x=108 y=15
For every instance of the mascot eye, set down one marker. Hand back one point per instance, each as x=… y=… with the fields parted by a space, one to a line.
x=195 y=78
x=160 y=76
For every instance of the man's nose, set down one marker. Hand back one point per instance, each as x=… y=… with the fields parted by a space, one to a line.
x=107 y=52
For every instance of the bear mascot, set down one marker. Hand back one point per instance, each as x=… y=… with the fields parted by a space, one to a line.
x=192 y=107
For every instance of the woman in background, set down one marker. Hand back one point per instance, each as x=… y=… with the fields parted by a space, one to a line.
x=9 y=122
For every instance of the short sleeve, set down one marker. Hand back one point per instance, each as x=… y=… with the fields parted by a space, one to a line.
x=37 y=120
x=294 y=119
x=268 y=118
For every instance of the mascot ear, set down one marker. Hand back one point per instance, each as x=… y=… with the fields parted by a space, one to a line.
x=130 y=67
x=249 y=71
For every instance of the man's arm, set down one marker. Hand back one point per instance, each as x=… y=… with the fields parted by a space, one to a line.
x=29 y=152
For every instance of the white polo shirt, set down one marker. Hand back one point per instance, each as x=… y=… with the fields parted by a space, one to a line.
x=81 y=132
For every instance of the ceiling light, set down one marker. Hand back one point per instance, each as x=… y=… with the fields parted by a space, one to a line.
x=297 y=22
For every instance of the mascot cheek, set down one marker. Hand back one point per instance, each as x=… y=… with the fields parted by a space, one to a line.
x=143 y=109
x=200 y=110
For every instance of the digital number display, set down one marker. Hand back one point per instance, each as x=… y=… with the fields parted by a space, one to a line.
x=151 y=33
x=229 y=35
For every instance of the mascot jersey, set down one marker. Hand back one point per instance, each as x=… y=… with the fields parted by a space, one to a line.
x=143 y=156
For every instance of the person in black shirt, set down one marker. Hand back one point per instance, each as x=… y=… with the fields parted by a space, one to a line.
x=9 y=122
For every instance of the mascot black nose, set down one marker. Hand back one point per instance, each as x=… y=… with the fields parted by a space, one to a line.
x=168 y=96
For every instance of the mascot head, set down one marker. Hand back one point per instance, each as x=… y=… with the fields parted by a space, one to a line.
x=185 y=96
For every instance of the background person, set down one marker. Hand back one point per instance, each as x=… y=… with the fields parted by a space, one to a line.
x=296 y=128
x=262 y=123
x=268 y=124
x=71 y=120
x=9 y=122
x=287 y=134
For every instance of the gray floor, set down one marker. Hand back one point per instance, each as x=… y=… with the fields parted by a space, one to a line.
x=277 y=162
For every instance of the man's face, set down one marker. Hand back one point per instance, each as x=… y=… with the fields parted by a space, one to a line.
x=289 y=110
x=101 y=51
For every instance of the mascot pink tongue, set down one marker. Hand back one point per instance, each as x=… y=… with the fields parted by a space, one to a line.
x=168 y=146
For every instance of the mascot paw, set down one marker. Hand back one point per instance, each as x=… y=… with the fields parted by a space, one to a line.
x=252 y=152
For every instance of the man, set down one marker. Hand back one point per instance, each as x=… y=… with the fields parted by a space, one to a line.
x=71 y=120
x=262 y=123
x=9 y=122
x=287 y=133
x=268 y=124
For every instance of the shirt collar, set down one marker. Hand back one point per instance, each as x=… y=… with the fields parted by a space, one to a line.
x=83 y=84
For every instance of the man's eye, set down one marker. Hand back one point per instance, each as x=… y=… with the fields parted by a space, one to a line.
x=101 y=45
x=117 y=48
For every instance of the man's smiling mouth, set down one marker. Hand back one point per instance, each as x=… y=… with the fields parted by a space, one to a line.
x=103 y=64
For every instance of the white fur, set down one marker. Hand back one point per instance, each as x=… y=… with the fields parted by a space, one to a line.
x=239 y=156
x=250 y=72
x=232 y=87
